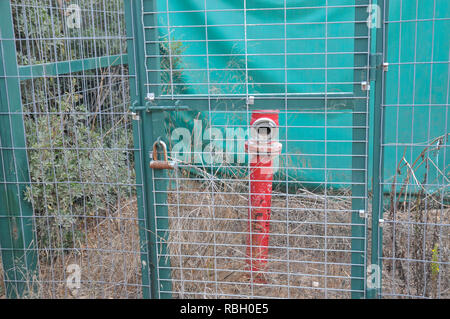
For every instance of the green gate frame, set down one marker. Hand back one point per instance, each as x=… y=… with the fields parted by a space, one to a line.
x=16 y=223
x=149 y=127
x=377 y=152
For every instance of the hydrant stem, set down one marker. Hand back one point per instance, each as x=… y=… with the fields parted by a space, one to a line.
x=263 y=147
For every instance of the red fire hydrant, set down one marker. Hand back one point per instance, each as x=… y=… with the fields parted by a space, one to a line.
x=263 y=147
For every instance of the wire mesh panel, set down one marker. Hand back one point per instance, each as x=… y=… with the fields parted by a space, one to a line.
x=242 y=168
x=212 y=68
x=76 y=164
x=415 y=150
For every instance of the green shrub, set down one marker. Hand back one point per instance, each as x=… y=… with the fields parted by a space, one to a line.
x=73 y=166
x=44 y=37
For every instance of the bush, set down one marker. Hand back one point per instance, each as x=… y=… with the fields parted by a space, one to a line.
x=76 y=161
x=44 y=37
x=75 y=167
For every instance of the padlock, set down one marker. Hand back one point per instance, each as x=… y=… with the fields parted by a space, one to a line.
x=156 y=163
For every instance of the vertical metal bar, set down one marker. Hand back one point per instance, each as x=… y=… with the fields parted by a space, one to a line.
x=377 y=201
x=152 y=199
x=136 y=96
x=16 y=215
x=153 y=128
x=359 y=151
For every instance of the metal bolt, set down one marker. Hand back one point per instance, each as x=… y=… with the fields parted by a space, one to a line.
x=385 y=67
x=365 y=86
x=251 y=100
x=381 y=223
x=150 y=97
x=362 y=213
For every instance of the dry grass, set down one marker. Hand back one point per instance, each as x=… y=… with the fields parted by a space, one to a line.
x=213 y=224
x=210 y=227
x=2 y=284
x=208 y=242
x=410 y=267
x=416 y=238
x=109 y=260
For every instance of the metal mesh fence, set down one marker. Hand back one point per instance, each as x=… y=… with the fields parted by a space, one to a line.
x=74 y=91
x=415 y=252
x=88 y=88
x=305 y=59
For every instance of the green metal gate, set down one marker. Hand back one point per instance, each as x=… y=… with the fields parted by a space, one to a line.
x=194 y=61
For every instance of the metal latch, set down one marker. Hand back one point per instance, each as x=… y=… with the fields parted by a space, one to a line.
x=149 y=107
x=156 y=163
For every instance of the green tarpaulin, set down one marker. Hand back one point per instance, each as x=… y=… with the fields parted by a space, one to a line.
x=274 y=66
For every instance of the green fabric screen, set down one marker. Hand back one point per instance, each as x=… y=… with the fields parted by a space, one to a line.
x=266 y=67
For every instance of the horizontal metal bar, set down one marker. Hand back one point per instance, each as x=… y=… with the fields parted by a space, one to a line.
x=167 y=41
x=237 y=102
x=255 y=24
x=152 y=108
x=182 y=69
x=417 y=20
x=223 y=10
x=66 y=67
x=252 y=83
x=296 y=97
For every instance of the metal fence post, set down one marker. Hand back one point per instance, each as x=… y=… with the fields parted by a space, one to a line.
x=359 y=152
x=132 y=24
x=377 y=202
x=16 y=215
x=156 y=271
